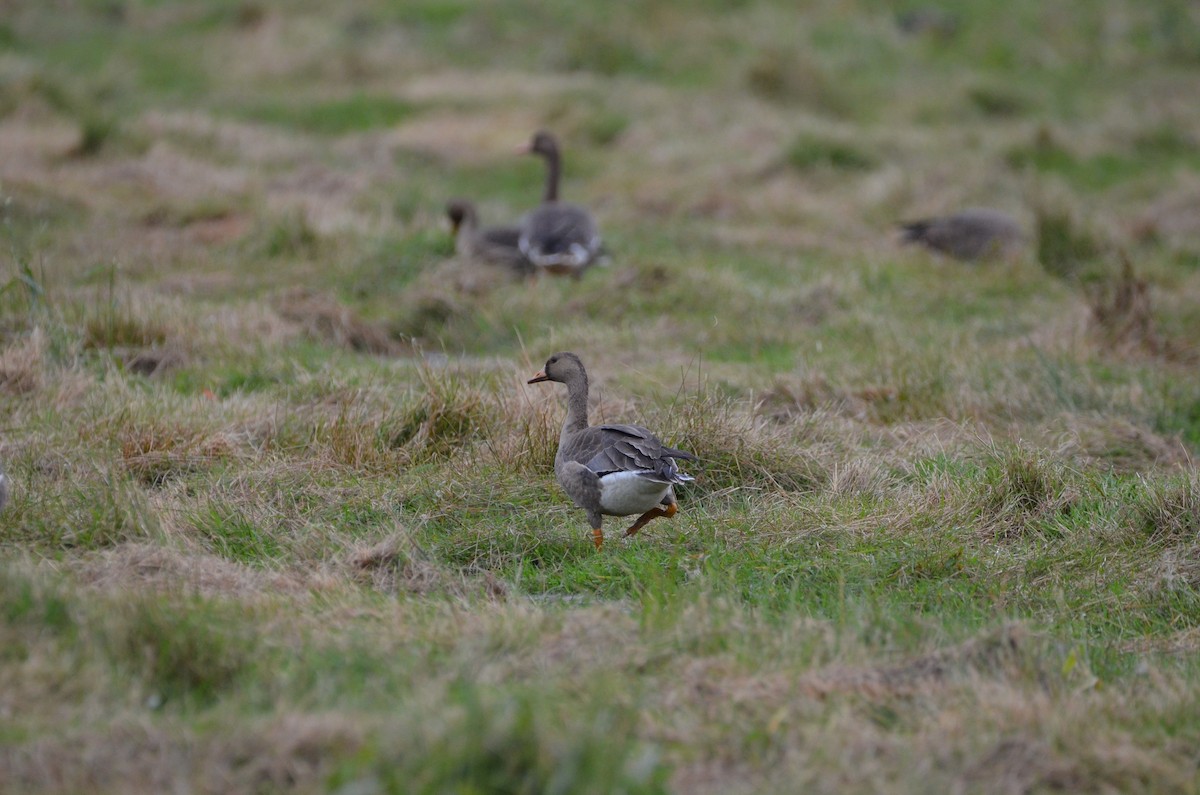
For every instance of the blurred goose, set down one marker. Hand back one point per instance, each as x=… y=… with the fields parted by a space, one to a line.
x=610 y=470
x=496 y=245
x=975 y=233
x=557 y=237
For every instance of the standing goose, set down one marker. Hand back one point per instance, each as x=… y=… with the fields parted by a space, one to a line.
x=610 y=470
x=496 y=245
x=557 y=237
x=972 y=234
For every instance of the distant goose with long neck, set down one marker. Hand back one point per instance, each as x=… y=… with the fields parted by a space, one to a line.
x=610 y=470
x=557 y=237
x=496 y=245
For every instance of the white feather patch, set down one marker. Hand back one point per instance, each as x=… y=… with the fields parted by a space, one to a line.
x=627 y=493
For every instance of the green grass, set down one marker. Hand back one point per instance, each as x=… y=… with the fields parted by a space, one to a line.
x=283 y=514
x=355 y=113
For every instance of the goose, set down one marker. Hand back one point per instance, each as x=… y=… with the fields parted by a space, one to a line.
x=496 y=245
x=972 y=234
x=557 y=237
x=610 y=470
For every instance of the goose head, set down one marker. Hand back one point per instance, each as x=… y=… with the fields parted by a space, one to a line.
x=543 y=144
x=461 y=213
x=561 y=367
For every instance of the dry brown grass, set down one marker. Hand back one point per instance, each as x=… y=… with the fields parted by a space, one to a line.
x=943 y=534
x=23 y=364
x=141 y=566
x=323 y=318
x=398 y=565
x=155 y=453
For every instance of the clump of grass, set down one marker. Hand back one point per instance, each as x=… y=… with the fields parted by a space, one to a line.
x=91 y=509
x=99 y=128
x=324 y=318
x=427 y=313
x=1020 y=487
x=115 y=323
x=94 y=133
x=998 y=103
x=29 y=601
x=1165 y=141
x=1043 y=153
x=811 y=152
x=24 y=365
x=1122 y=316
x=360 y=436
x=193 y=652
x=335 y=117
x=290 y=236
x=153 y=361
x=397 y=564
x=1169 y=510
x=448 y=415
x=605 y=51
x=235 y=536
x=603 y=127
x=1062 y=249
x=788 y=77
x=155 y=453
x=487 y=741
x=1176 y=32
x=737 y=450
x=119 y=328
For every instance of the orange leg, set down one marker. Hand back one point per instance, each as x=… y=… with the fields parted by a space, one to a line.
x=653 y=513
x=598 y=538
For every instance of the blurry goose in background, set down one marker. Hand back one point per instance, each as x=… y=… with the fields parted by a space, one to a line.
x=496 y=245
x=557 y=237
x=610 y=470
x=934 y=21
x=973 y=234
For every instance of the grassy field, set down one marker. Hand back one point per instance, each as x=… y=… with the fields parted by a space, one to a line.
x=284 y=515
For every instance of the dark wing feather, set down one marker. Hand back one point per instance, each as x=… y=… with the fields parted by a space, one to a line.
x=501 y=245
x=630 y=448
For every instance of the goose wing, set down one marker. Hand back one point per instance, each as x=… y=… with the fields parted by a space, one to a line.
x=631 y=448
x=557 y=233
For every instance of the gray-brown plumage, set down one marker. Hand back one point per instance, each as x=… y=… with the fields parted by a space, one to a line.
x=610 y=470
x=557 y=237
x=495 y=245
x=973 y=234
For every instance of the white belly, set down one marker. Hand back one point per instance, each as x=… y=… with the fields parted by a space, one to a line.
x=627 y=493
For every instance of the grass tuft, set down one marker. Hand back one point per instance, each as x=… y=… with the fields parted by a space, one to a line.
x=325 y=319
x=156 y=453
x=444 y=417
x=810 y=152
x=1019 y=488
x=787 y=76
x=1170 y=511
x=192 y=652
x=291 y=236
x=998 y=103
x=1062 y=249
x=737 y=450
x=1122 y=316
x=490 y=742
